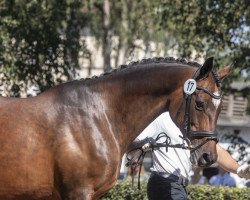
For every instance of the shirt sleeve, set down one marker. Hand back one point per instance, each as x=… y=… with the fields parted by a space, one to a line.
x=149 y=131
x=163 y=123
x=153 y=129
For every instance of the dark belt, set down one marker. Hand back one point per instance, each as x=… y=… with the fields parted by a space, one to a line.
x=173 y=178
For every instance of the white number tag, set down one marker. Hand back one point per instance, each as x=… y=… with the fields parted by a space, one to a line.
x=190 y=86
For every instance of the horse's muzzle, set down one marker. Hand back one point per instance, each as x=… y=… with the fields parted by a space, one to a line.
x=207 y=159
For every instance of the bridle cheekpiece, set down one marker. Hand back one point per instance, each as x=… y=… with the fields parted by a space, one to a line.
x=190 y=86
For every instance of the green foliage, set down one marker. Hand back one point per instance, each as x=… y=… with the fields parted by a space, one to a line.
x=216 y=28
x=129 y=22
x=39 y=42
x=201 y=192
x=123 y=191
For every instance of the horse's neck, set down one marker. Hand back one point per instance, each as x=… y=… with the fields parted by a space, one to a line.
x=126 y=102
x=140 y=98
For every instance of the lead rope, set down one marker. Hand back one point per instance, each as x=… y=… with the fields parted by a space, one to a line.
x=134 y=161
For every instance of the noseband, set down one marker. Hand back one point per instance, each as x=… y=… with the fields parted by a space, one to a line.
x=189 y=89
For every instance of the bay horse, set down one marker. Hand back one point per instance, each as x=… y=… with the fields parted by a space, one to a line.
x=67 y=143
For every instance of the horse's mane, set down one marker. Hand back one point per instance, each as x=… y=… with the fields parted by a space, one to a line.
x=148 y=61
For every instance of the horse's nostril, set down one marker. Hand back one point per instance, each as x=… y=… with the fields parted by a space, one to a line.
x=206 y=157
x=206 y=160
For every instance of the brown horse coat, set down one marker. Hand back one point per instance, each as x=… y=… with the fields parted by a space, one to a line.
x=67 y=143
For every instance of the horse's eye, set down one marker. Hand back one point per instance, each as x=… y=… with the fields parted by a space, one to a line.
x=199 y=105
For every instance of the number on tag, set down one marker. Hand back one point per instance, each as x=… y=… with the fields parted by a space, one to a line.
x=190 y=86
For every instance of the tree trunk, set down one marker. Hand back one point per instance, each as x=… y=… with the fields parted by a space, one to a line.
x=107 y=37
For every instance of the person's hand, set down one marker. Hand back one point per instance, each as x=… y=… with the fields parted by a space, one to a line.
x=148 y=144
x=244 y=171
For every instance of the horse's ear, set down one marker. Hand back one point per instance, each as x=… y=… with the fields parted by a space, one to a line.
x=223 y=73
x=204 y=70
x=206 y=67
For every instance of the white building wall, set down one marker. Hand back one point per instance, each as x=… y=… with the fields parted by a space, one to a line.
x=96 y=61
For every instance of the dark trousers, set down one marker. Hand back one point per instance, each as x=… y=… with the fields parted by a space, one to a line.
x=160 y=188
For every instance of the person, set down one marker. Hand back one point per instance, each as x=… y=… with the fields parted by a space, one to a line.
x=223 y=178
x=171 y=168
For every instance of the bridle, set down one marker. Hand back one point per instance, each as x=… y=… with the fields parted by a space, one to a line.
x=189 y=134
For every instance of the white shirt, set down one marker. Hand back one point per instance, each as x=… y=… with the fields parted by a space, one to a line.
x=176 y=160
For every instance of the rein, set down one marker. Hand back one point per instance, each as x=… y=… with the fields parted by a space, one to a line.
x=136 y=161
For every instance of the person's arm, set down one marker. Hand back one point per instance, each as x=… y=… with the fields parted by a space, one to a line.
x=133 y=152
x=226 y=161
x=146 y=144
x=134 y=145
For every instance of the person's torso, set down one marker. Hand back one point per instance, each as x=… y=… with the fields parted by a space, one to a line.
x=171 y=160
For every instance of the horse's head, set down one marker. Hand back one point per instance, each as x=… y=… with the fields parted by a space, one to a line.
x=201 y=107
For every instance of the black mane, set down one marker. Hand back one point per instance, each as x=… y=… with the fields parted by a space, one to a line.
x=149 y=61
